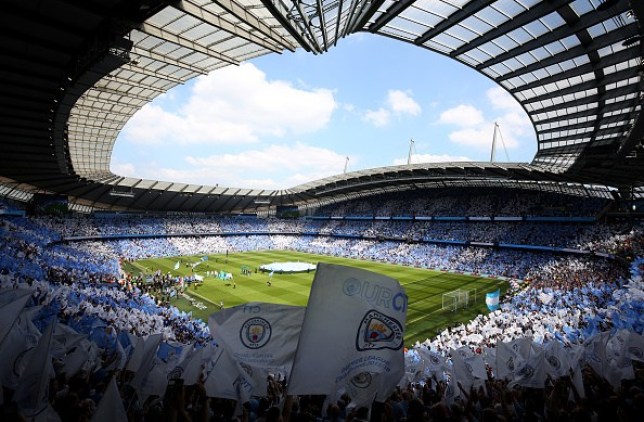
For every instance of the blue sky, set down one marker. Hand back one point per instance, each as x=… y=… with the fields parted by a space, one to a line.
x=280 y=120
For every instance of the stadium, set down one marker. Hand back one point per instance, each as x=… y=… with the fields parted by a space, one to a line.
x=465 y=290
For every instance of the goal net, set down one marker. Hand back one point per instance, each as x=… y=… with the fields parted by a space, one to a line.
x=458 y=299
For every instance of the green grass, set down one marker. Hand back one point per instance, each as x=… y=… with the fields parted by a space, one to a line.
x=424 y=287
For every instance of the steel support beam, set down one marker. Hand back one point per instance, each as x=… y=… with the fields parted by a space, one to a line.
x=226 y=25
x=182 y=41
x=246 y=16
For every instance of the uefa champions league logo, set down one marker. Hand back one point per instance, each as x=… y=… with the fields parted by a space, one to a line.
x=255 y=333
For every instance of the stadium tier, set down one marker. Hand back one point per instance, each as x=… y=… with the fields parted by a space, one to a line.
x=563 y=302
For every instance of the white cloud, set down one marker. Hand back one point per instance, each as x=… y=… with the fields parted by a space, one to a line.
x=378 y=117
x=502 y=100
x=401 y=102
x=122 y=169
x=431 y=158
x=479 y=137
x=398 y=103
x=273 y=167
x=462 y=115
x=475 y=130
x=236 y=104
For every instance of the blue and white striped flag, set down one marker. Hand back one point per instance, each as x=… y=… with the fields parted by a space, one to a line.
x=492 y=300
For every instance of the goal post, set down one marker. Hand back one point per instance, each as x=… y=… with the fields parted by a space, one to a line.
x=458 y=299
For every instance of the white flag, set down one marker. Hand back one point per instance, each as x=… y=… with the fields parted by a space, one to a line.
x=10 y=309
x=635 y=347
x=434 y=363
x=78 y=359
x=354 y=324
x=16 y=347
x=462 y=373
x=619 y=365
x=190 y=368
x=65 y=338
x=228 y=379
x=110 y=408
x=556 y=360
x=32 y=393
x=450 y=392
x=546 y=298
x=575 y=355
x=506 y=360
x=261 y=336
x=156 y=380
x=362 y=388
x=596 y=352
x=136 y=356
x=8 y=295
x=531 y=373
x=149 y=347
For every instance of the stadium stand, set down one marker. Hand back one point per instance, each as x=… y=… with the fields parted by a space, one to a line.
x=567 y=299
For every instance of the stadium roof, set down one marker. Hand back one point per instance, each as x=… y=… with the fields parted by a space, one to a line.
x=73 y=72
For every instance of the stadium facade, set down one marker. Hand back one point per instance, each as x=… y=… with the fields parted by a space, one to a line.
x=73 y=73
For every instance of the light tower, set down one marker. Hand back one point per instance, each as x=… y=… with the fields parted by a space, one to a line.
x=411 y=151
x=497 y=134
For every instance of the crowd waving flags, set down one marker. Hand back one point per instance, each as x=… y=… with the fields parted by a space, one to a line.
x=349 y=339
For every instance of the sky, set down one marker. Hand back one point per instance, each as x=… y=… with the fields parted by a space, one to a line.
x=281 y=120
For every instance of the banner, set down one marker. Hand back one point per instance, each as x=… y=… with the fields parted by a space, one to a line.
x=11 y=308
x=32 y=392
x=492 y=300
x=110 y=408
x=531 y=372
x=262 y=337
x=353 y=329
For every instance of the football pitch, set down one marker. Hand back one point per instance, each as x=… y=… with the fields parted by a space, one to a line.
x=425 y=288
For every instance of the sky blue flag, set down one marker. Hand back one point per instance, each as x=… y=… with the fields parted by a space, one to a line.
x=492 y=300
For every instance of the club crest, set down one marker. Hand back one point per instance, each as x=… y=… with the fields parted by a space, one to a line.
x=351 y=286
x=175 y=373
x=255 y=333
x=379 y=331
x=554 y=362
x=526 y=372
x=636 y=352
x=361 y=380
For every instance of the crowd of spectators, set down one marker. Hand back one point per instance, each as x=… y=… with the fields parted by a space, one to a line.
x=470 y=201
x=565 y=300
